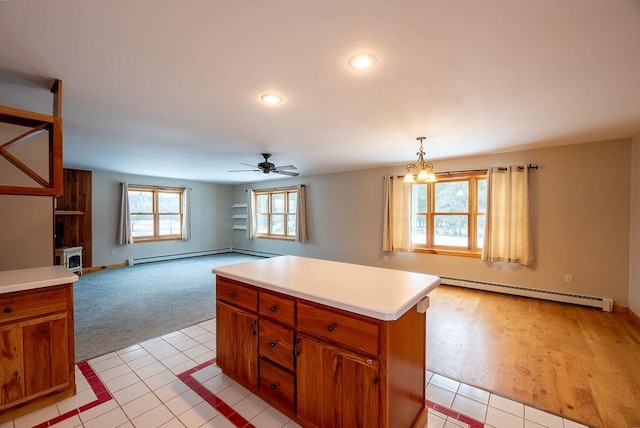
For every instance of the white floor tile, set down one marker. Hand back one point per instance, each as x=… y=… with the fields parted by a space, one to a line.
x=186 y=344
x=474 y=393
x=72 y=422
x=233 y=394
x=501 y=419
x=218 y=383
x=122 y=382
x=469 y=407
x=171 y=390
x=37 y=417
x=153 y=418
x=198 y=415
x=445 y=382
x=183 y=402
x=114 y=372
x=207 y=373
x=440 y=395
x=571 y=424
x=269 y=418
x=161 y=379
x=133 y=354
x=150 y=370
x=218 y=422
x=101 y=409
x=131 y=392
x=173 y=423
x=507 y=405
x=142 y=361
x=112 y=419
x=76 y=401
x=250 y=406
x=140 y=405
x=106 y=363
x=543 y=418
x=435 y=421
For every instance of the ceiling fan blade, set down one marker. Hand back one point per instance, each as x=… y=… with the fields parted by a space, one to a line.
x=244 y=170
x=247 y=164
x=292 y=174
x=286 y=167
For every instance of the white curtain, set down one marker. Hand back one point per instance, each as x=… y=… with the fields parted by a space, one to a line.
x=508 y=224
x=251 y=226
x=301 y=215
x=124 y=227
x=186 y=214
x=396 y=234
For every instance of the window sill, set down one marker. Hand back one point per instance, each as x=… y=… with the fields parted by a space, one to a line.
x=141 y=240
x=447 y=252
x=280 y=238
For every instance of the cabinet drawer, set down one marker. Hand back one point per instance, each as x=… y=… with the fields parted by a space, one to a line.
x=276 y=385
x=276 y=343
x=352 y=332
x=237 y=294
x=33 y=303
x=277 y=307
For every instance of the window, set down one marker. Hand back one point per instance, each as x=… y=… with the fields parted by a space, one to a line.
x=449 y=216
x=156 y=213
x=275 y=213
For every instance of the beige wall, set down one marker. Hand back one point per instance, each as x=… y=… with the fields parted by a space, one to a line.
x=26 y=232
x=580 y=209
x=634 y=235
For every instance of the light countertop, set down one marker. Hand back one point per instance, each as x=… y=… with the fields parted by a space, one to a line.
x=385 y=294
x=28 y=279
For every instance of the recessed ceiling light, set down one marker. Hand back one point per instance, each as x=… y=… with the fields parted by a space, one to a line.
x=362 y=61
x=271 y=99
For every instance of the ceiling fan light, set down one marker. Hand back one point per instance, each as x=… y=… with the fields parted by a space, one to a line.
x=271 y=99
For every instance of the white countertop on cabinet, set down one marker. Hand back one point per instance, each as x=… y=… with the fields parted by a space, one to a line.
x=28 y=279
x=380 y=293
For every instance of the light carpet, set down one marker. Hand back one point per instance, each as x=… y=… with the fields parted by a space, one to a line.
x=116 y=308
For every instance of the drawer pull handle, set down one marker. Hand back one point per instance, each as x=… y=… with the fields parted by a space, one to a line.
x=331 y=327
x=272 y=344
x=274 y=386
x=232 y=295
x=7 y=310
x=273 y=308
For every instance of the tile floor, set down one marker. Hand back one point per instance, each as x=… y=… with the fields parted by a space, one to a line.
x=172 y=381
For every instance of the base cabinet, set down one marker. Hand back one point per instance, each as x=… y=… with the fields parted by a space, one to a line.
x=321 y=366
x=36 y=350
x=336 y=388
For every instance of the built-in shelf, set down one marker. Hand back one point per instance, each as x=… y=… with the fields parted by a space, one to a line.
x=239 y=206
x=239 y=216
x=68 y=212
x=239 y=226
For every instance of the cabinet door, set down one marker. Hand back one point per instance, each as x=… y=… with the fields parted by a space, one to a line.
x=34 y=358
x=346 y=384
x=237 y=343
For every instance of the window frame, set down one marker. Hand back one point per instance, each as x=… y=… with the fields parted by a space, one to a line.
x=287 y=191
x=473 y=214
x=156 y=190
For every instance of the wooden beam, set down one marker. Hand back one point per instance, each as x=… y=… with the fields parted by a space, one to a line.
x=16 y=116
x=24 y=135
x=56 y=89
x=24 y=168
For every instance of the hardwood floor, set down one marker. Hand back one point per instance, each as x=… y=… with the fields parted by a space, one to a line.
x=580 y=363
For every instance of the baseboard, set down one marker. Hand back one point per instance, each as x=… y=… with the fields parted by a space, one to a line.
x=92 y=269
x=635 y=318
x=604 y=303
x=253 y=253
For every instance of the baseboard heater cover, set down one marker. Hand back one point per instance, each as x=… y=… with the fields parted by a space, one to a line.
x=606 y=304
x=139 y=261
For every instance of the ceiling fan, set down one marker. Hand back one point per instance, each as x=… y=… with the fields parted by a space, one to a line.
x=267 y=167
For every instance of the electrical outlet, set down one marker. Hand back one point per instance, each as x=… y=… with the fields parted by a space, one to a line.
x=568 y=279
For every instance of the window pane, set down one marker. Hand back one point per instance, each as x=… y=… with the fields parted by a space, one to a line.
x=168 y=202
x=293 y=202
x=277 y=224
x=261 y=223
x=169 y=224
x=482 y=196
x=419 y=198
x=480 y=230
x=141 y=225
x=452 y=197
x=277 y=203
x=451 y=230
x=140 y=202
x=291 y=225
x=419 y=229
x=262 y=203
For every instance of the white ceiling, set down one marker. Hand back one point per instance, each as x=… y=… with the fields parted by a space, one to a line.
x=171 y=88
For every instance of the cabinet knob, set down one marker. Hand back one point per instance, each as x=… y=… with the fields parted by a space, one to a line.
x=7 y=310
x=232 y=294
x=331 y=327
x=273 y=308
x=274 y=386
x=272 y=344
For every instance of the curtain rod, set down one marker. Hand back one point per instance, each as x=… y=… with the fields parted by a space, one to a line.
x=275 y=188
x=500 y=168
x=157 y=187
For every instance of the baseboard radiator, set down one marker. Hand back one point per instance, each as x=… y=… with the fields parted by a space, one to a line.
x=141 y=260
x=604 y=303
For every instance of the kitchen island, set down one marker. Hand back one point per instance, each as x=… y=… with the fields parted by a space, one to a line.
x=327 y=343
x=36 y=339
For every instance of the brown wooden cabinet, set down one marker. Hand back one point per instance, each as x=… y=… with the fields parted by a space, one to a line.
x=36 y=349
x=320 y=365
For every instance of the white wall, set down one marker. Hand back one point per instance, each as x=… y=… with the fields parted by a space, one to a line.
x=634 y=235
x=211 y=219
x=580 y=209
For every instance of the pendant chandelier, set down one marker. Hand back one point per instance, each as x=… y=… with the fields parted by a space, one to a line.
x=421 y=170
